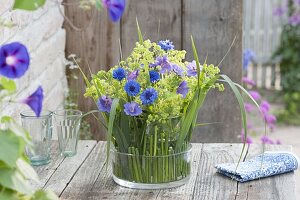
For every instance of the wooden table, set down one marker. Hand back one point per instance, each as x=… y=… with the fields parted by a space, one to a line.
x=83 y=176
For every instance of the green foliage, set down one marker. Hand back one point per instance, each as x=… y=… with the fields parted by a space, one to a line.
x=29 y=5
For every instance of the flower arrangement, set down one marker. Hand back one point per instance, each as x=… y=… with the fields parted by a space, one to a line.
x=150 y=103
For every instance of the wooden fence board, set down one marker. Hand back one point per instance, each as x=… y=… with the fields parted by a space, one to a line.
x=214 y=24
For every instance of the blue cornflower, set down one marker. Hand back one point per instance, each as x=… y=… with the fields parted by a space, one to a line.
x=166 y=45
x=104 y=103
x=119 y=73
x=115 y=8
x=132 y=88
x=183 y=89
x=35 y=101
x=132 y=109
x=14 y=60
x=154 y=76
x=148 y=96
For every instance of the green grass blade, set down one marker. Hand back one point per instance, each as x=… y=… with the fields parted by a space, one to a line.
x=196 y=59
x=112 y=115
x=139 y=31
x=206 y=124
x=86 y=80
x=242 y=109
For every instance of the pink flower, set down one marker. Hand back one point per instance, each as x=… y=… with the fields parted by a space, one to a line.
x=255 y=95
x=248 y=81
x=266 y=140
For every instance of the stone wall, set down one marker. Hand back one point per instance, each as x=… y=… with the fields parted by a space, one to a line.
x=41 y=31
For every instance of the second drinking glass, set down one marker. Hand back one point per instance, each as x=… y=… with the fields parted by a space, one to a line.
x=66 y=124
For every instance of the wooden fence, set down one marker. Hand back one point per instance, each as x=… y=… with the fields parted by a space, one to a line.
x=261 y=34
x=213 y=23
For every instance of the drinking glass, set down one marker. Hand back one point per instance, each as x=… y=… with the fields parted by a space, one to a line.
x=66 y=123
x=39 y=129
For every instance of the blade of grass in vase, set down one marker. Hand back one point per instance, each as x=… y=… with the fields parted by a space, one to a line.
x=112 y=116
x=86 y=80
x=242 y=110
x=206 y=124
x=139 y=31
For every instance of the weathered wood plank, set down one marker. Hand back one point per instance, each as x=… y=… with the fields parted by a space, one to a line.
x=46 y=171
x=209 y=184
x=66 y=170
x=84 y=179
x=158 y=20
x=96 y=43
x=214 y=24
x=281 y=187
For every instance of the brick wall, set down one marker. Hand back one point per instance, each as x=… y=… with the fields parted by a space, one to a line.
x=41 y=31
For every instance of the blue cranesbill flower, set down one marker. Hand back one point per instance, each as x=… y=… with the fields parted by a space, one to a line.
x=132 y=88
x=14 y=60
x=132 y=109
x=115 y=8
x=104 y=103
x=119 y=73
x=148 y=96
x=183 y=89
x=35 y=101
x=154 y=76
x=164 y=63
x=133 y=75
x=191 y=69
x=166 y=45
x=178 y=70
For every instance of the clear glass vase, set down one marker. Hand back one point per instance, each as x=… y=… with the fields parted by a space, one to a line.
x=162 y=170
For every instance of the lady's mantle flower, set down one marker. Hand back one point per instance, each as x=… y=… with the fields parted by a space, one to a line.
x=166 y=45
x=154 y=76
x=115 y=8
x=192 y=69
x=148 y=96
x=178 y=70
x=132 y=109
x=35 y=101
x=14 y=60
x=119 y=73
x=133 y=75
x=104 y=104
x=255 y=95
x=183 y=89
x=132 y=88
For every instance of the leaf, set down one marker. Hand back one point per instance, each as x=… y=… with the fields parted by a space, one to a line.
x=242 y=110
x=8 y=84
x=5 y=119
x=112 y=116
x=197 y=60
x=26 y=170
x=139 y=32
x=206 y=124
x=9 y=194
x=44 y=195
x=11 y=147
x=28 y=4
x=13 y=179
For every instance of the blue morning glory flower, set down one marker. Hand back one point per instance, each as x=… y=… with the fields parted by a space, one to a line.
x=248 y=56
x=35 y=101
x=191 y=69
x=14 y=60
x=119 y=73
x=132 y=88
x=104 y=103
x=154 y=76
x=166 y=45
x=115 y=8
x=148 y=96
x=132 y=109
x=183 y=89
x=133 y=75
x=178 y=70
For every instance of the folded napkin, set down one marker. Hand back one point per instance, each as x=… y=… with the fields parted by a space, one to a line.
x=264 y=165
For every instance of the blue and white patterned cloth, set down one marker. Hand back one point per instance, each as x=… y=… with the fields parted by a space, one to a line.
x=264 y=165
